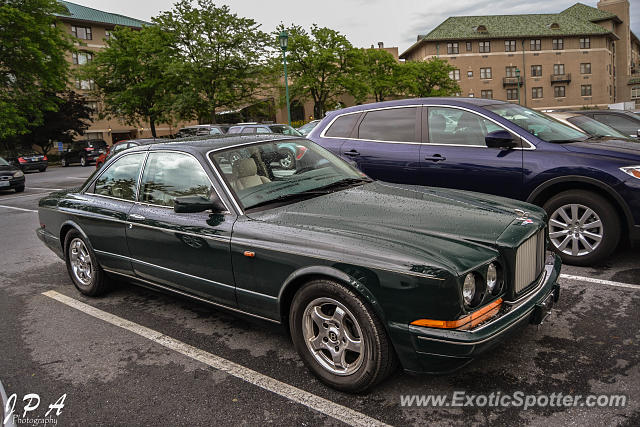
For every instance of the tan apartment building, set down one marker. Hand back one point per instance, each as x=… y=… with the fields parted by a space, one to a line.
x=91 y=28
x=582 y=56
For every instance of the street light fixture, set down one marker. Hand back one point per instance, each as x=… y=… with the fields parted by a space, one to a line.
x=518 y=83
x=284 y=41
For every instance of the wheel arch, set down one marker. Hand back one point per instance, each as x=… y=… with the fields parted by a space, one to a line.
x=67 y=226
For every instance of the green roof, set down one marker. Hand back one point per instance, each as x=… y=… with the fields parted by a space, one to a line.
x=83 y=13
x=577 y=20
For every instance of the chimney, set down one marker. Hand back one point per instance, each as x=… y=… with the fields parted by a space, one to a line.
x=380 y=45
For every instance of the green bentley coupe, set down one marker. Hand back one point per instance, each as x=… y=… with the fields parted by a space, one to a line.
x=365 y=275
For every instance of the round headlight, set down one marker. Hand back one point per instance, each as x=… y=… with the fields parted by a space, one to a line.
x=492 y=278
x=18 y=174
x=469 y=288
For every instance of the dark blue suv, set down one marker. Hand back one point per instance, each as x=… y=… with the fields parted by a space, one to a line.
x=589 y=186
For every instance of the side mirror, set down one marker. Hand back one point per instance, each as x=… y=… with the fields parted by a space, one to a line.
x=193 y=204
x=500 y=139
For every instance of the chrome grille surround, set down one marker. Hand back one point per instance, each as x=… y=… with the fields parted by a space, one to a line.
x=529 y=261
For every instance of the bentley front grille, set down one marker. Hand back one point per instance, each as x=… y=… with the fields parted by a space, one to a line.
x=529 y=261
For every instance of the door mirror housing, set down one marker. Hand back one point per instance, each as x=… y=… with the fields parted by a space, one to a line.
x=193 y=204
x=500 y=139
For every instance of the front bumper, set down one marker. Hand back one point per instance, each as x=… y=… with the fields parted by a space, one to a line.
x=441 y=350
x=13 y=183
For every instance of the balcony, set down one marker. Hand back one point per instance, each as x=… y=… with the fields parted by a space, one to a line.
x=511 y=81
x=560 y=78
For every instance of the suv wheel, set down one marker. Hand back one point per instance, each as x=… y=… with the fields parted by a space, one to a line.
x=83 y=161
x=583 y=227
x=64 y=162
x=287 y=160
x=338 y=337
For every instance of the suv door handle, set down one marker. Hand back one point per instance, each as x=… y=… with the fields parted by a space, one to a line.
x=137 y=217
x=351 y=153
x=436 y=158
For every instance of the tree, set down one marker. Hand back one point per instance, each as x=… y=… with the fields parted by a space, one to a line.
x=322 y=65
x=32 y=63
x=427 y=78
x=131 y=76
x=218 y=57
x=379 y=73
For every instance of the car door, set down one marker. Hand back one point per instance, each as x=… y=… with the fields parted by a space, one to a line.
x=339 y=130
x=387 y=144
x=626 y=125
x=455 y=154
x=184 y=251
x=102 y=211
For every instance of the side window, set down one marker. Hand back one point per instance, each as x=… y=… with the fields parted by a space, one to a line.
x=215 y=131
x=248 y=130
x=458 y=127
x=121 y=178
x=170 y=175
x=342 y=126
x=619 y=123
x=396 y=124
x=262 y=130
x=119 y=147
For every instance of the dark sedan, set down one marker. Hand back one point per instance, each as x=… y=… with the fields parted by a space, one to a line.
x=28 y=160
x=364 y=274
x=624 y=121
x=11 y=177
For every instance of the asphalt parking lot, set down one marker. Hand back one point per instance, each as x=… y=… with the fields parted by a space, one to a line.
x=138 y=357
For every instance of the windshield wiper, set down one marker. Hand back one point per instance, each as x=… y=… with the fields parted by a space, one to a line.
x=345 y=182
x=289 y=197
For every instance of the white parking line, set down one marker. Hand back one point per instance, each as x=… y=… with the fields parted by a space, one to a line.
x=44 y=188
x=317 y=403
x=18 y=209
x=599 y=281
x=23 y=196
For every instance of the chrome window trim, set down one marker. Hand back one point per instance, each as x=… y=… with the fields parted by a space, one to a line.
x=530 y=147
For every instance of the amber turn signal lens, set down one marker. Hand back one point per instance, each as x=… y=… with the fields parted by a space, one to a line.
x=475 y=318
x=249 y=254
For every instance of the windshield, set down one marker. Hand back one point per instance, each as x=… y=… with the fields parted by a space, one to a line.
x=594 y=127
x=307 y=128
x=283 y=171
x=284 y=129
x=538 y=124
x=3 y=162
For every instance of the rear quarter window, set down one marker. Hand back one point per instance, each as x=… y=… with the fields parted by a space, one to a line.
x=342 y=126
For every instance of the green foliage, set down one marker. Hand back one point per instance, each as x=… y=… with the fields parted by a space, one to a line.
x=379 y=74
x=131 y=75
x=219 y=59
x=32 y=63
x=427 y=78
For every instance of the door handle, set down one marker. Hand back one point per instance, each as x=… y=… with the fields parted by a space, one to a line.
x=436 y=158
x=137 y=217
x=351 y=153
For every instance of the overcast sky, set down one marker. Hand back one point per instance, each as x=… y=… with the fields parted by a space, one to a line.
x=364 y=22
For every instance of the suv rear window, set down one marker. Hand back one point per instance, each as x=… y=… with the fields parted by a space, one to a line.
x=96 y=144
x=343 y=126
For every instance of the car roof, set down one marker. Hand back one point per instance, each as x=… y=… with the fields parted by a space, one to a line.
x=453 y=100
x=254 y=125
x=206 y=143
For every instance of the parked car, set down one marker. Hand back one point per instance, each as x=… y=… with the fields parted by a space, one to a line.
x=623 y=121
x=289 y=154
x=586 y=124
x=120 y=146
x=200 y=130
x=590 y=187
x=11 y=177
x=306 y=128
x=27 y=160
x=83 y=152
x=364 y=274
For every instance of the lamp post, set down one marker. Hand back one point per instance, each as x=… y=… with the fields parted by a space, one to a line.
x=284 y=40
x=518 y=83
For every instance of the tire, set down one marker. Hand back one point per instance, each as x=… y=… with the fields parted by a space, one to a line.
x=357 y=370
x=64 y=163
x=85 y=272
x=83 y=161
x=288 y=160
x=42 y=169
x=19 y=189
x=584 y=228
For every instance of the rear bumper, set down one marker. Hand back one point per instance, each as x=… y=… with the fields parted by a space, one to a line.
x=34 y=165
x=50 y=241
x=442 y=350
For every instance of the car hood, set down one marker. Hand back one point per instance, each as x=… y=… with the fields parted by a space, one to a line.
x=8 y=169
x=444 y=224
x=606 y=146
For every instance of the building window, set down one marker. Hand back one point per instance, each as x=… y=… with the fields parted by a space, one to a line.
x=85 y=84
x=585 y=43
x=469 y=73
x=469 y=46
x=585 y=68
x=81 y=58
x=485 y=73
x=452 y=48
x=536 y=70
x=484 y=47
x=512 y=94
x=585 y=90
x=509 y=45
x=454 y=74
x=536 y=92
x=108 y=34
x=486 y=94
x=511 y=71
x=635 y=92
x=471 y=95
x=83 y=33
x=558 y=69
x=93 y=106
x=536 y=44
x=559 y=91
x=558 y=44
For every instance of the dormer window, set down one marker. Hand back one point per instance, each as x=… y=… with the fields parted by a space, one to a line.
x=480 y=29
x=554 y=26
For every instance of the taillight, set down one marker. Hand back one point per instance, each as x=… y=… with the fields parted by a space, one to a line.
x=88 y=148
x=21 y=160
x=44 y=158
x=300 y=150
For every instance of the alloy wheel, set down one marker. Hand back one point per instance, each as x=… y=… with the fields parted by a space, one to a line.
x=80 y=260
x=575 y=229
x=286 y=161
